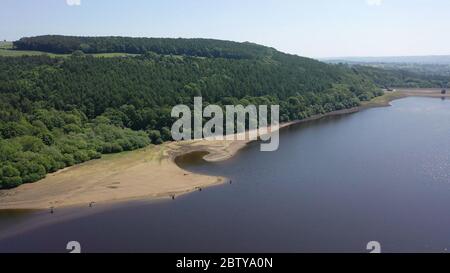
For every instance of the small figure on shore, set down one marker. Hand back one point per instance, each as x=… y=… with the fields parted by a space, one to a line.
x=91 y=204
x=231 y=181
x=173 y=197
x=51 y=210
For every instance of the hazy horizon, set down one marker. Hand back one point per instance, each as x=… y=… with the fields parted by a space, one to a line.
x=316 y=29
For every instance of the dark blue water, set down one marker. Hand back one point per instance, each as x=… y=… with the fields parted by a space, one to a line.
x=382 y=174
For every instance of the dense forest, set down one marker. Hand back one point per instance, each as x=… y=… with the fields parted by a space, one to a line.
x=56 y=112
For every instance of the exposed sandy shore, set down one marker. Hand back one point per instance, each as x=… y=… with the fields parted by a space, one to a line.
x=147 y=173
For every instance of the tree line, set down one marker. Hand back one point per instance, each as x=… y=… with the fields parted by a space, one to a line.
x=209 y=48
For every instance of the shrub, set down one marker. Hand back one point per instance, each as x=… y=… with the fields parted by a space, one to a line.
x=9 y=177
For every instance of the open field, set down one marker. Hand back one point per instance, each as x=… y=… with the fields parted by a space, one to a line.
x=5 y=45
x=19 y=53
x=112 y=55
x=7 y=51
x=147 y=173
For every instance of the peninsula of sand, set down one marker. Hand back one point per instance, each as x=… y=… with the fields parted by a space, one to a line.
x=148 y=173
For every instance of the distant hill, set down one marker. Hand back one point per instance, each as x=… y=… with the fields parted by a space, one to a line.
x=436 y=59
x=437 y=67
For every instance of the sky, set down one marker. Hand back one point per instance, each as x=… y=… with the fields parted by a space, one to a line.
x=313 y=28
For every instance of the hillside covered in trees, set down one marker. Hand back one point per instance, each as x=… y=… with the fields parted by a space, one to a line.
x=56 y=112
x=407 y=75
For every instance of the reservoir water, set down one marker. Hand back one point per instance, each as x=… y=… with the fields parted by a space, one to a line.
x=382 y=174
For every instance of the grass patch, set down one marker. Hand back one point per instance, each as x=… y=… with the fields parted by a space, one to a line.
x=19 y=53
x=383 y=100
x=113 y=55
x=6 y=50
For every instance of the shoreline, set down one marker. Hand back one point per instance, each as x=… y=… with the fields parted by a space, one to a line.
x=150 y=173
